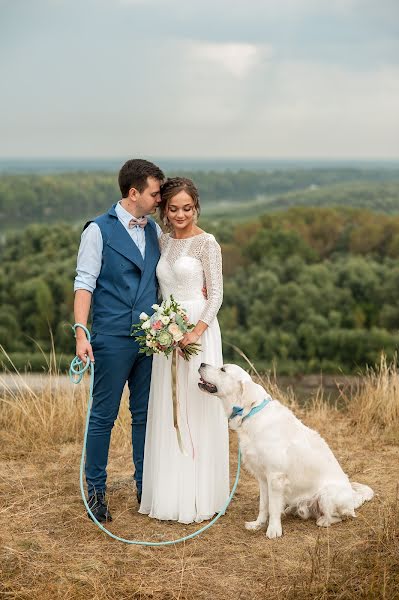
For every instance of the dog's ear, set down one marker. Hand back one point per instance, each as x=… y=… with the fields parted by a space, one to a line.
x=248 y=396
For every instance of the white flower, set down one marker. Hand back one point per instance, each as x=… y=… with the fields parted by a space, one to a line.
x=146 y=325
x=155 y=306
x=143 y=316
x=165 y=320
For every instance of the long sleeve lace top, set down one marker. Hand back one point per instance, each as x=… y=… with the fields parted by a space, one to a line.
x=186 y=265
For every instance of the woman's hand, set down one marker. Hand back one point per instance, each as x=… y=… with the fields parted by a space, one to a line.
x=189 y=338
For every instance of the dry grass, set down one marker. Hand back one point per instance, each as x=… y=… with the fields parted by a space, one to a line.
x=50 y=549
x=374 y=406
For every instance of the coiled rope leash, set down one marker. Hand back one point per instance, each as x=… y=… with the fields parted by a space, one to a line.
x=76 y=372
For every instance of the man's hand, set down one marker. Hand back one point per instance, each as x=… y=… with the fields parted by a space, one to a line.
x=81 y=308
x=84 y=349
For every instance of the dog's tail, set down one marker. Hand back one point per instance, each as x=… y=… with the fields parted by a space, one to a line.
x=361 y=493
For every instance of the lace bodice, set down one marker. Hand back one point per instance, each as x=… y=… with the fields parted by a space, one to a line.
x=187 y=265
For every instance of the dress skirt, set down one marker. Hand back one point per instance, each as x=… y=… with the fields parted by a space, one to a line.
x=188 y=487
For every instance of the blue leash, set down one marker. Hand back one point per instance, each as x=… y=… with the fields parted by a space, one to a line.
x=76 y=372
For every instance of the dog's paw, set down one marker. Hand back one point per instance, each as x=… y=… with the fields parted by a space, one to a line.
x=274 y=530
x=254 y=525
x=327 y=521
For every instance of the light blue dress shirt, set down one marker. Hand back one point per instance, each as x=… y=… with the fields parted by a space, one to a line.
x=91 y=249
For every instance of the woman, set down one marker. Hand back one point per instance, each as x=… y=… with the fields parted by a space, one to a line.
x=194 y=485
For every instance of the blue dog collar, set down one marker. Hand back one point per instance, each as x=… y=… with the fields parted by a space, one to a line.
x=238 y=410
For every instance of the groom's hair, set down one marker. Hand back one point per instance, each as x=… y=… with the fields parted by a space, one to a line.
x=134 y=174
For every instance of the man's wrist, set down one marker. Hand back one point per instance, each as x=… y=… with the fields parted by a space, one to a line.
x=80 y=333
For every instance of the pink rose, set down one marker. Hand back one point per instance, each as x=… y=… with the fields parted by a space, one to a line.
x=157 y=325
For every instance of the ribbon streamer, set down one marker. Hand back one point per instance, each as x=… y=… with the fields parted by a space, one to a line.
x=176 y=404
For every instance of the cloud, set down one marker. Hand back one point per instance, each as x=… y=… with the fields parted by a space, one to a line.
x=174 y=78
x=237 y=59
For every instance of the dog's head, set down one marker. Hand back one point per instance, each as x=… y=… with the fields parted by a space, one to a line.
x=232 y=385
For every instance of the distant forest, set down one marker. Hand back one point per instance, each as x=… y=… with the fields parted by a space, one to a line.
x=306 y=288
x=74 y=197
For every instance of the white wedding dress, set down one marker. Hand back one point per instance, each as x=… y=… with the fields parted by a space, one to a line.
x=192 y=487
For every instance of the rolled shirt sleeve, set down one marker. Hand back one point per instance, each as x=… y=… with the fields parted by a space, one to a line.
x=89 y=259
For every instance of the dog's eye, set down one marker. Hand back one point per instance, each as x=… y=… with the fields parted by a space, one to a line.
x=223 y=369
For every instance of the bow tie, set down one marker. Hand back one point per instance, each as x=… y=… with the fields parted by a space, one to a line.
x=140 y=222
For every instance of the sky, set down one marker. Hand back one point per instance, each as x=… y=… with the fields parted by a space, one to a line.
x=209 y=78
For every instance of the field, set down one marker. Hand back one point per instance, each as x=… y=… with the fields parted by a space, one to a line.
x=50 y=549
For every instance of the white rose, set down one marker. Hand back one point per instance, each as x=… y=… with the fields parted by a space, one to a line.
x=155 y=306
x=165 y=320
x=143 y=316
x=146 y=325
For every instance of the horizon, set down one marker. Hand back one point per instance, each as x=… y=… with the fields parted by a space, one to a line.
x=64 y=165
x=204 y=157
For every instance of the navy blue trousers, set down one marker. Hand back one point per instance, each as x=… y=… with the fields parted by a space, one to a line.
x=117 y=361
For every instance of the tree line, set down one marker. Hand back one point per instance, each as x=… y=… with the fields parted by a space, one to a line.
x=307 y=289
x=73 y=197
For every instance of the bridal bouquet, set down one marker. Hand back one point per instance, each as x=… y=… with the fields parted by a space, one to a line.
x=161 y=332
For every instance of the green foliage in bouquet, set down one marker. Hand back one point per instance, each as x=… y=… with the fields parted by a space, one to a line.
x=161 y=332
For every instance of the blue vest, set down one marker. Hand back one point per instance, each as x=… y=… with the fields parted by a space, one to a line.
x=127 y=284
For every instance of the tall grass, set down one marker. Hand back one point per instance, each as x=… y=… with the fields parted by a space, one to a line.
x=50 y=413
x=374 y=404
x=54 y=411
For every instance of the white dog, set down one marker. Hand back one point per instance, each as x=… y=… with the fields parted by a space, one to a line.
x=296 y=470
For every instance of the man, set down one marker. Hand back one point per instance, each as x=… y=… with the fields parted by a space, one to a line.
x=116 y=276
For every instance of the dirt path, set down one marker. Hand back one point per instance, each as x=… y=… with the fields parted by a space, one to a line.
x=33 y=381
x=304 y=385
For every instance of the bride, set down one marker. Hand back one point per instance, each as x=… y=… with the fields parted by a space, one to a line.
x=192 y=485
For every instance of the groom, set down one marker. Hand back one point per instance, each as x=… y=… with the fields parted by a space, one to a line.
x=116 y=264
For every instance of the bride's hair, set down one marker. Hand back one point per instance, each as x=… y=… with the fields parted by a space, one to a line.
x=171 y=187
